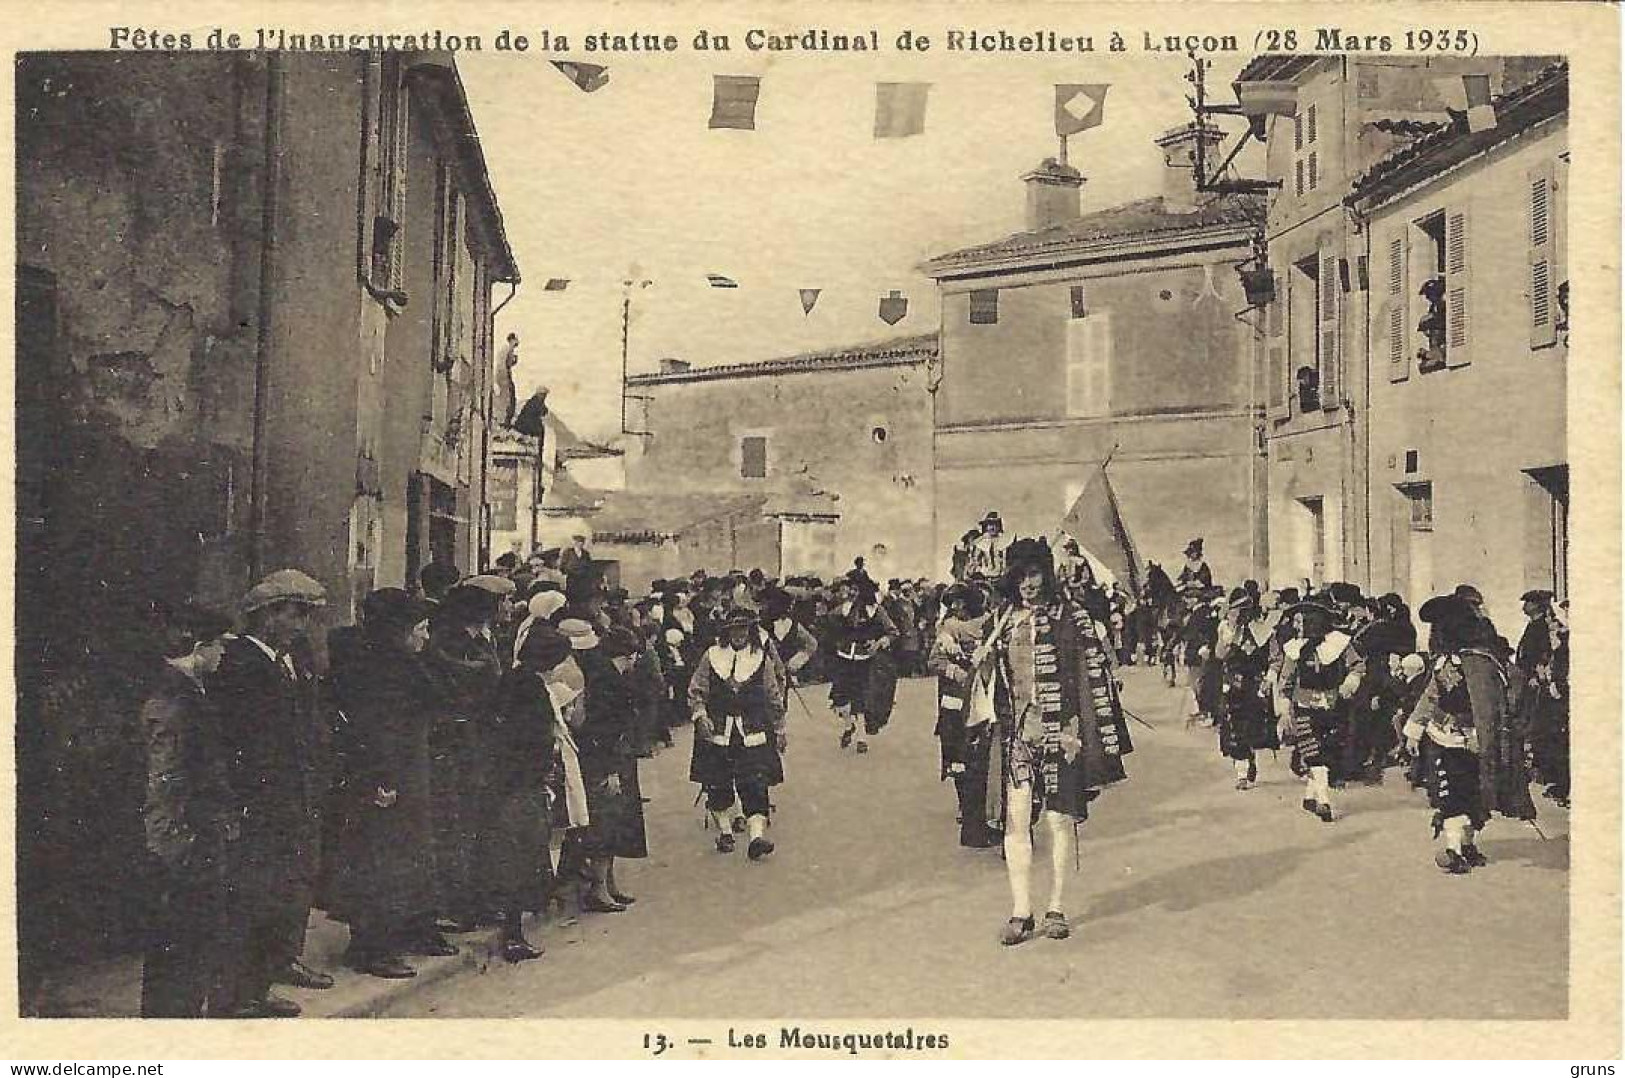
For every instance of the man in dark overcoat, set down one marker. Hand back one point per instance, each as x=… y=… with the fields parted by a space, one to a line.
x=271 y=723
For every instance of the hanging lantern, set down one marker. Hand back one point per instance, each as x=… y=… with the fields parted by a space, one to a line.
x=1258 y=282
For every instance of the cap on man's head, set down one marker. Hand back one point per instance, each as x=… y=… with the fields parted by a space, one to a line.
x=1470 y=593
x=1539 y=595
x=284 y=586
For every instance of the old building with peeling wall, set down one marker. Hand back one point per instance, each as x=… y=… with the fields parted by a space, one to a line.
x=255 y=299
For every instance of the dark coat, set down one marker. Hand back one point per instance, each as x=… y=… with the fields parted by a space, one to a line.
x=606 y=743
x=278 y=749
x=192 y=812
x=520 y=739
x=467 y=672
x=384 y=868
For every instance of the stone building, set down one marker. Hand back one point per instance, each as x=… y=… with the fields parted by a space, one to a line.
x=1107 y=335
x=1467 y=236
x=1326 y=121
x=254 y=331
x=838 y=442
x=514 y=495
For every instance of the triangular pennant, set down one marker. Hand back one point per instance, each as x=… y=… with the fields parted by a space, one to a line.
x=733 y=104
x=717 y=280
x=556 y=284
x=587 y=77
x=893 y=307
x=900 y=108
x=1079 y=106
x=809 y=299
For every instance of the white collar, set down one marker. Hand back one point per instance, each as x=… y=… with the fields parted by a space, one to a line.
x=735 y=666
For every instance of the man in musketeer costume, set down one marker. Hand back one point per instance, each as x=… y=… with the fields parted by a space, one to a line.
x=1246 y=721
x=1059 y=734
x=987 y=550
x=1319 y=674
x=863 y=683
x=737 y=698
x=964 y=747
x=1477 y=757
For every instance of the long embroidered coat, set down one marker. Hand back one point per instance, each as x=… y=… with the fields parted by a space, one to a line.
x=1060 y=723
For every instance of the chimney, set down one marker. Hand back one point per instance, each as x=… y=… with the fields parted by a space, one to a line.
x=1052 y=195
x=673 y=366
x=1178 y=148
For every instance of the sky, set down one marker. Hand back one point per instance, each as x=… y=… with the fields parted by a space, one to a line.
x=628 y=182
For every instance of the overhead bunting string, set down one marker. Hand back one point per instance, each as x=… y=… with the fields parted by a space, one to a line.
x=900 y=108
x=587 y=77
x=733 y=102
x=717 y=280
x=556 y=284
x=809 y=299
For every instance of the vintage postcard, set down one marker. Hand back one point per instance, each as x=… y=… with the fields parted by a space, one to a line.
x=898 y=530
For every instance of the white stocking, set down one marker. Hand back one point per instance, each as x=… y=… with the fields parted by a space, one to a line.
x=1455 y=832
x=757 y=826
x=724 y=818
x=1063 y=852
x=1018 y=848
x=1241 y=769
x=1320 y=784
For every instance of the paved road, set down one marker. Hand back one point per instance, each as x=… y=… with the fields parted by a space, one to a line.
x=1194 y=900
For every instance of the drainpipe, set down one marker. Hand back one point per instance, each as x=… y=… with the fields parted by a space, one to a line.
x=264 y=354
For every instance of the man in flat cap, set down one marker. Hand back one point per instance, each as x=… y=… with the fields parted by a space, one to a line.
x=266 y=695
x=1542 y=668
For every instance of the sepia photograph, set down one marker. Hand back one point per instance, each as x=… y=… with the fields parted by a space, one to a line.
x=798 y=531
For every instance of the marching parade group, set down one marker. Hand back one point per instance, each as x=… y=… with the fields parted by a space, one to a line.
x=468 y=753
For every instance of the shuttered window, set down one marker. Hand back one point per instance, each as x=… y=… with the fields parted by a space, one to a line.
x=984 y=307
x=753 y=457
x=1088 y=365
x=1328 y=351
x=1542 y=259
x=1458 y=298
x=1276 y=370
x=1396 y=313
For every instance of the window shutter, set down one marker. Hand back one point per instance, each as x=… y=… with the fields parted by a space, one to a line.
x=1457 y=300
x=1100 y=363
x=1542 y=260
x=984 y=307
x=753 y=457
x=1331 y=389
x=1077 y=366
x=1275 y=355
x=1397 y=311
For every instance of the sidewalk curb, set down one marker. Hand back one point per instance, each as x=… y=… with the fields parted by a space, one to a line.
x=478 y=951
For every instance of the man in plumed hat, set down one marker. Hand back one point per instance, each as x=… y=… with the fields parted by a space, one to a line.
x=267 y=698
x=1242 y=649
x=1476 y=755
x=987 y=550
x=1194 y=575
x=1319 y=674
x=863 y=681
x=1043 y=673
x=737 y=699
